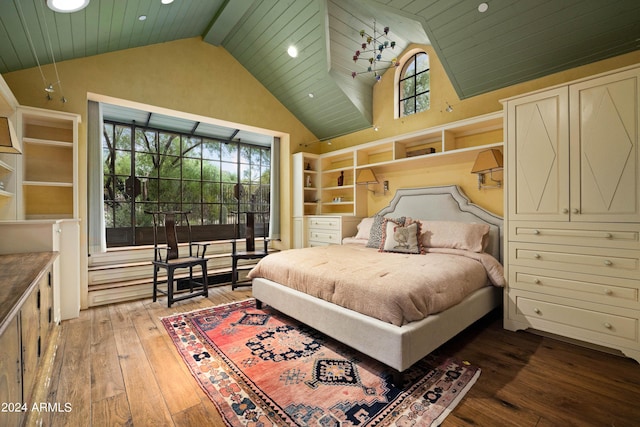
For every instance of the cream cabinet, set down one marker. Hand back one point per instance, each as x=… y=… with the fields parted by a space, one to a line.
x=325 y=230
x=573 y=211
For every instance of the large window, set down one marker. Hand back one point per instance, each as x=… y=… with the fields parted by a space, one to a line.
x=414 y=90
x=149 y=169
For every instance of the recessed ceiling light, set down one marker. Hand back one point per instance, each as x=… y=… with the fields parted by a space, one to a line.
x=483 y=7
x=292 y=51
x=142 y=18
x=166 y=1
x=67 y=6
x=311 y=95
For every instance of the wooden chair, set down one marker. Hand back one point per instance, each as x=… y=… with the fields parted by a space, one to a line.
x=250 y=251
x=167 y=255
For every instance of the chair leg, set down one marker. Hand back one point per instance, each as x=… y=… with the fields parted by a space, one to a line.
x=234 y=272
x=205 y=280
x=169 y=287
x=155 y=283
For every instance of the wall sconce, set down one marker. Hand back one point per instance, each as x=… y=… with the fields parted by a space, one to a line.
x=366 y=176
x=8 y=140
x=488 y=161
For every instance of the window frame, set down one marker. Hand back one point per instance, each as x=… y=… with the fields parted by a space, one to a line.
x=412 y=59
x=246 y=158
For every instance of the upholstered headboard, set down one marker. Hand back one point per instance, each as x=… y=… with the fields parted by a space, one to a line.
x=445 y=203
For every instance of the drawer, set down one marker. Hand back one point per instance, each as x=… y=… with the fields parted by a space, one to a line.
x=572 y=320
x=328 y=223
x=606 y=235
x=322 y=236
x=601 y=261
x=599 y=289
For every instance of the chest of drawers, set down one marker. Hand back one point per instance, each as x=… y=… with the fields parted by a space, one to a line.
x=329 y=229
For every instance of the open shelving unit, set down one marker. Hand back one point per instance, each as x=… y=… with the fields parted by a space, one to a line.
x=450 y=143
x=49 y=184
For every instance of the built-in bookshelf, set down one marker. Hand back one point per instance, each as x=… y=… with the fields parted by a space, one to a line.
x=325 y=184
x=50 y=177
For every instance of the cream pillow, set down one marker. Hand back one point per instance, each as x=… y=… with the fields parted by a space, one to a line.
x=364 y=228
x=454 y=235
x=400 y=238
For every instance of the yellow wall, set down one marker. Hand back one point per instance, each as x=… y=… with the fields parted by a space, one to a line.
x=188 y=76
x=442 y=92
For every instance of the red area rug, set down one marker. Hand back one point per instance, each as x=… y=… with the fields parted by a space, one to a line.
x=262 y=368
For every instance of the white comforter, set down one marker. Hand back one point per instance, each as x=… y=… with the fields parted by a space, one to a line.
x=393 y=287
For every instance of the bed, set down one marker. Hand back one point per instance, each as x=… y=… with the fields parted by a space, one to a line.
x=398 y=342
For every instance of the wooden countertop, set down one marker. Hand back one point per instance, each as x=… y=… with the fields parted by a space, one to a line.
x=19 y=273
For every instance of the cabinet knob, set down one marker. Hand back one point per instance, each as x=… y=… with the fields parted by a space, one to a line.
x=536 y=231
x=575 y=210
x=536 y=281
x=608 y=235
x=608 y=292
x=607 y=325
x=537 y=256
x=607 y=262
x=565 y=210
x=536 y=310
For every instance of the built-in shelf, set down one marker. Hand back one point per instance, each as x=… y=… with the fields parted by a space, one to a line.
x=49 y=180
x=450 y=143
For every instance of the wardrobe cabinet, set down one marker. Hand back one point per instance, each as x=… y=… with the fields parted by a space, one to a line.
x=573 y=211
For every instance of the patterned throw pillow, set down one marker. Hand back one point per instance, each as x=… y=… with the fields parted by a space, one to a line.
x=401 y=238
x=375 y=235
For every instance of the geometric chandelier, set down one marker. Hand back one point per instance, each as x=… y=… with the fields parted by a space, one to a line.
x=373 y=47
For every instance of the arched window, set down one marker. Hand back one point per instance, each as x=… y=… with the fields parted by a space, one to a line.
x=414 y=85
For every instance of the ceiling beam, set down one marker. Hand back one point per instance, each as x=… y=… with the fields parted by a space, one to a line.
x=225 y=20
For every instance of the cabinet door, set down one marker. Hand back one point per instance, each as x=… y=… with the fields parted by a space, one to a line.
x=30 y=325
x=605 y=171
x=538 y=156
x=10 y=375
x=46 y=308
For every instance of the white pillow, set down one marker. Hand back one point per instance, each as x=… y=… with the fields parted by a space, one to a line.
x=364 y=228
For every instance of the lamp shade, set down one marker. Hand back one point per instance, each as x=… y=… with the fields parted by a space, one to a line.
x=487 y=160
x=8 y=140
x=366 y=176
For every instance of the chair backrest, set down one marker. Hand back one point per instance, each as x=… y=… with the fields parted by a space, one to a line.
x=252 y=221
x=169 y=221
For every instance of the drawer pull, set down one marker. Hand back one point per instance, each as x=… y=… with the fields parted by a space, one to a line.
x=607 y=262
x=536 y=310
x=608 y=292
x=537 y=256
x=608 y=235
x=607 y=325
x=536 y=231
x=537 y=281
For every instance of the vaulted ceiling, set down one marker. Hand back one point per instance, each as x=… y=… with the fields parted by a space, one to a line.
x=512 y=41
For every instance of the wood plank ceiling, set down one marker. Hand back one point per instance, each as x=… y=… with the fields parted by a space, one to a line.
x=513 y=41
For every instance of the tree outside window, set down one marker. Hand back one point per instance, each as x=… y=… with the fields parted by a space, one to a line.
x=150 y=170
x=414 y=84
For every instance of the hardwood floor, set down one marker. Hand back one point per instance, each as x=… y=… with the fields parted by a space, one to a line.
x=115 y=365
